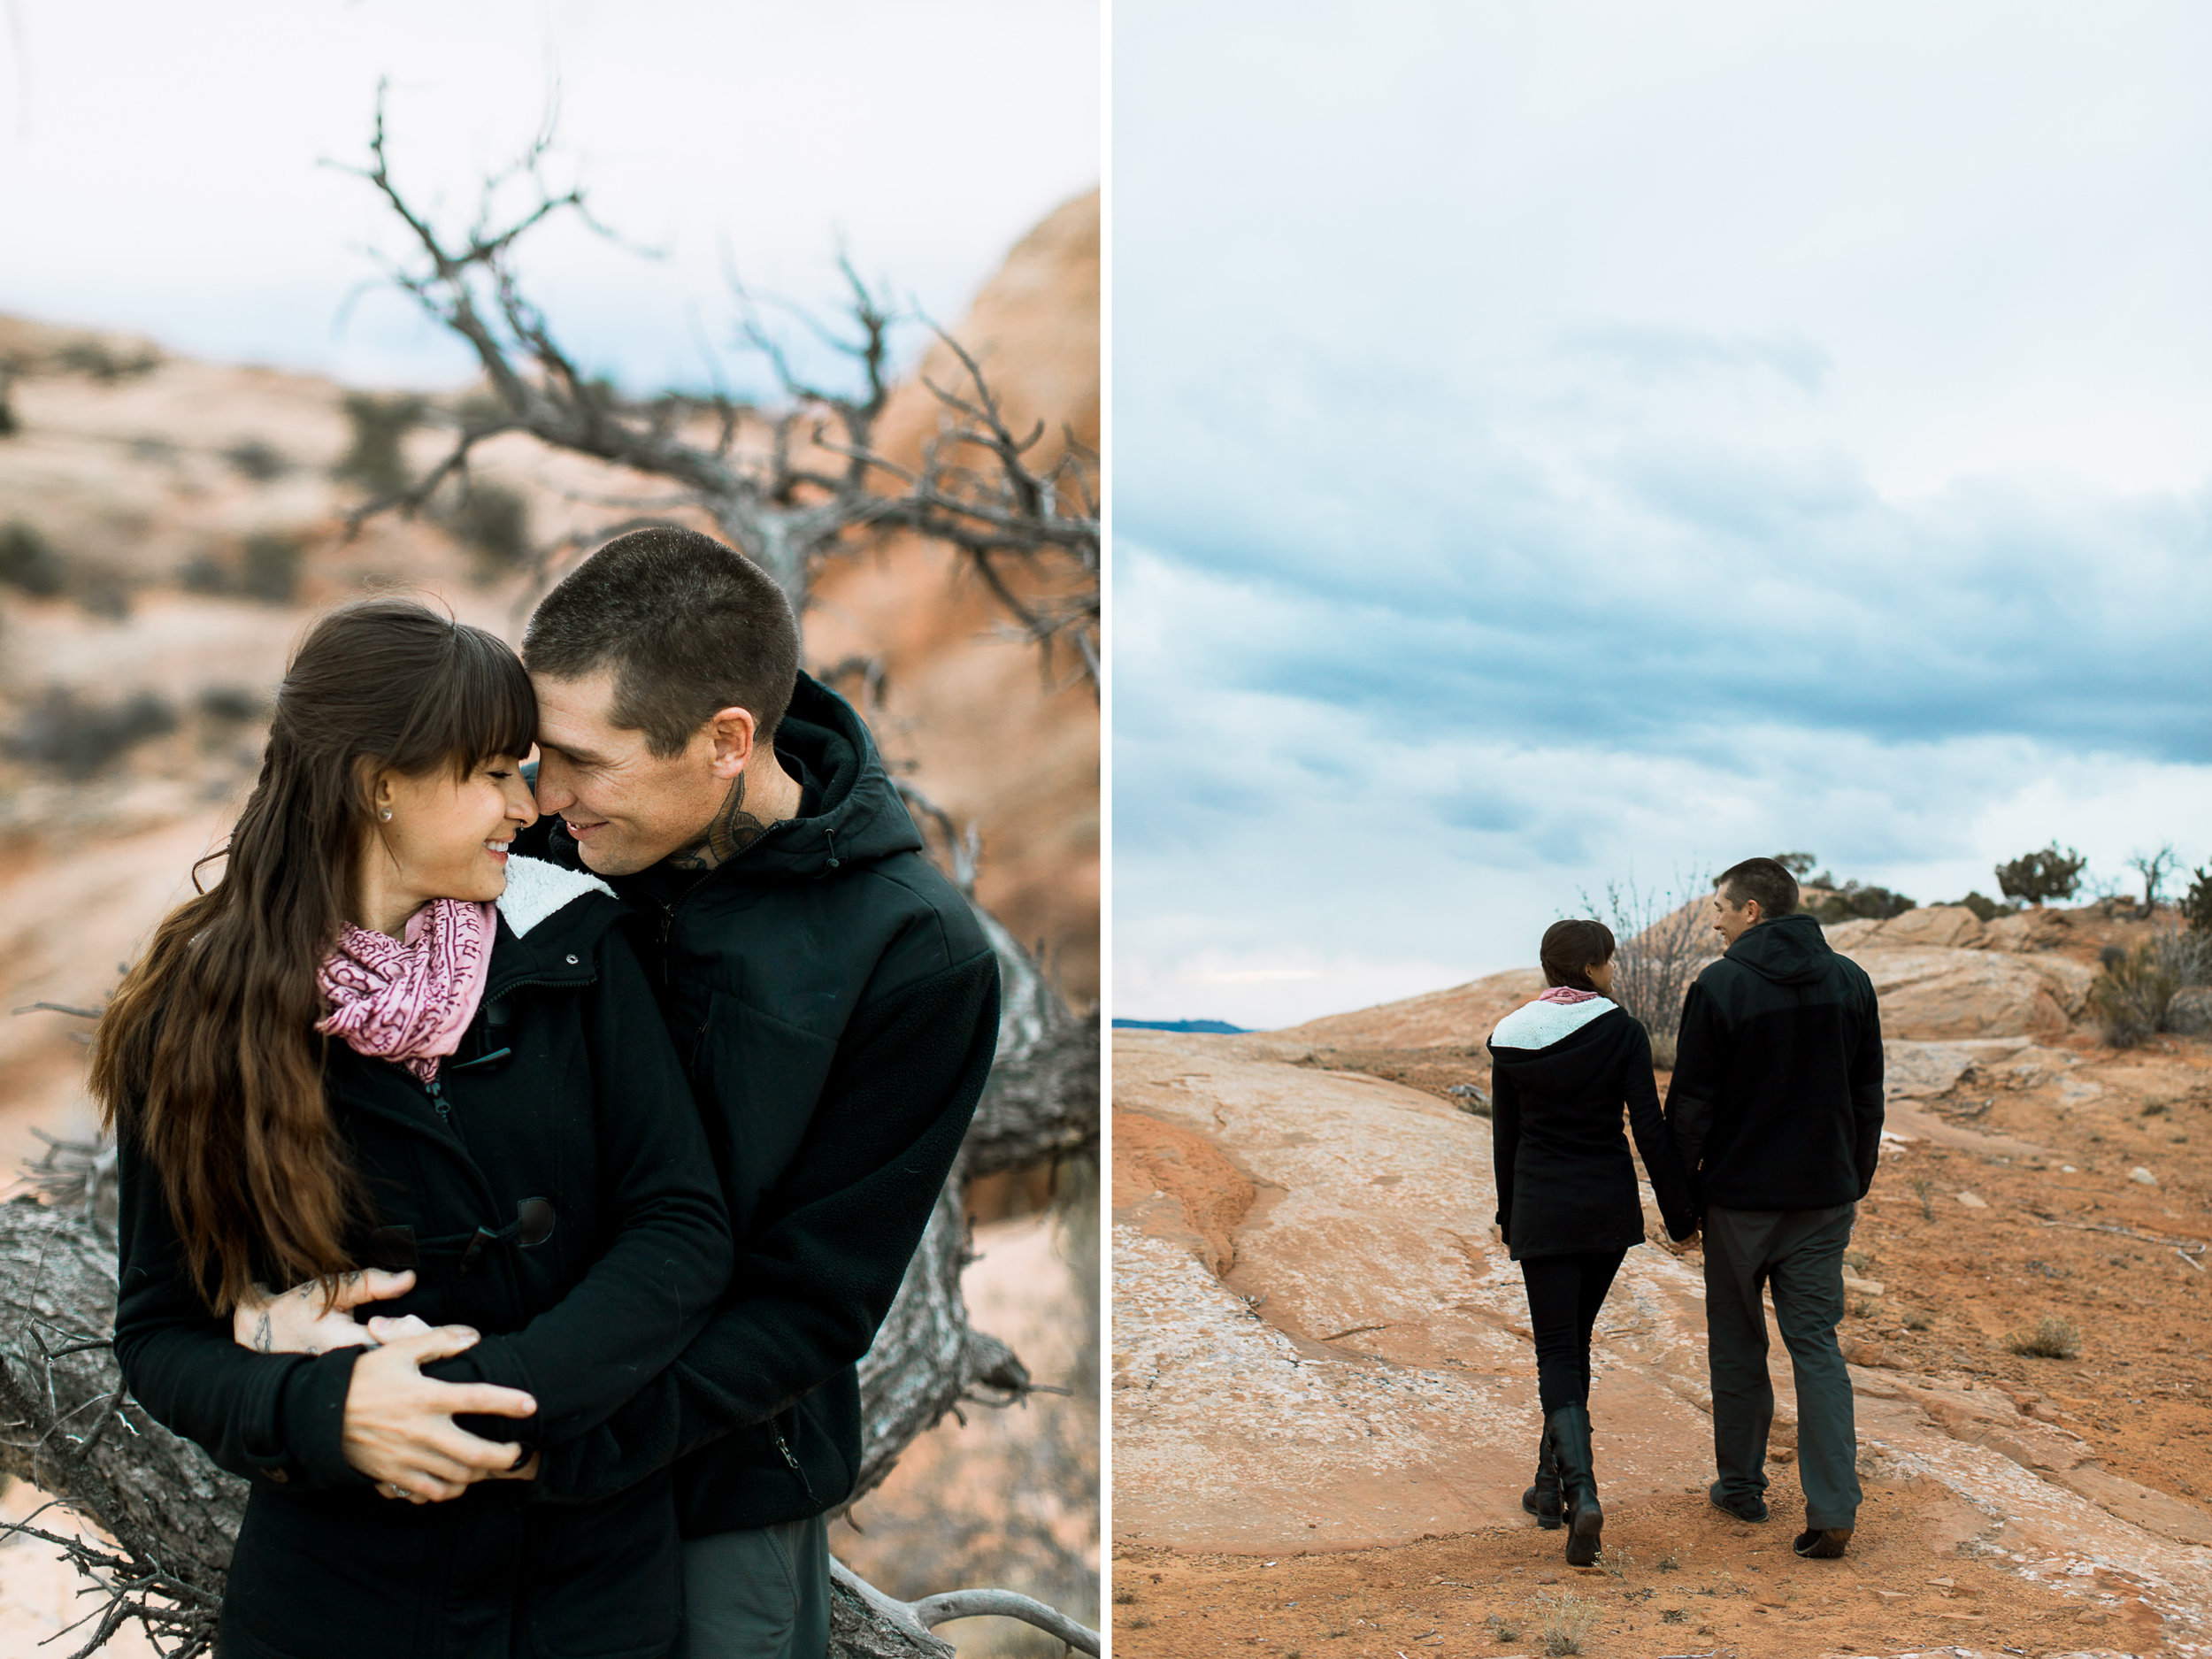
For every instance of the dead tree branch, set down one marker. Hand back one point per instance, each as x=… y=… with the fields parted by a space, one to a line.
x=814 y=483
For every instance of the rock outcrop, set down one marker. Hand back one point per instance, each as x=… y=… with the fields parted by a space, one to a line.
x=1465 y=1014
x=1933 y=994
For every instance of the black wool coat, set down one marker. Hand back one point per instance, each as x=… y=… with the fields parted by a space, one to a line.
x=554 y=1190
x=1565 y=1181
x=1777 y=1097
x=837 y=1003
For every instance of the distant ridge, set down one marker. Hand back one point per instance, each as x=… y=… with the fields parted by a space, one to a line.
x=1219 y=1026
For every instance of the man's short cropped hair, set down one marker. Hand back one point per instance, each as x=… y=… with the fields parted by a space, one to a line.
x=1570 y=950
x=1761 y=878
x=688 y=626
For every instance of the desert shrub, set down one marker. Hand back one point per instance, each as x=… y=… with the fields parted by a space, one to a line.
x=2052 y=1338
x=1663 y=939
x=229 y=705
x=257 y=459
x=2129 y=994
x=29 y=562
x=2182 y=953
x=95 y=359
x=78 y=738
x=2050 y=873
x=1986 y=909
x=1799 y=864
x=2196 y=905
x=494 y=522
x=1567 y=1621
x=381 y=426
x=1853 y=900
x=269 y=567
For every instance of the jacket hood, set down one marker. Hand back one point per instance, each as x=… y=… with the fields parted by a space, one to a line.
x=859 y=818
x=1568 y=1062
x=1789 y=950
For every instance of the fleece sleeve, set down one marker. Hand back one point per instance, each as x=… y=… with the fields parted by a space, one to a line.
x=1505 y=1139
x=268 y=1417
x=1866 y=1083
x=817 y=1272
x=1669 y=1184
x=1693 y=1096
x=661 y=1278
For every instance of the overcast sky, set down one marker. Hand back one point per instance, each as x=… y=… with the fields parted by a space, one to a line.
x=158 y=163
x=1561 y=443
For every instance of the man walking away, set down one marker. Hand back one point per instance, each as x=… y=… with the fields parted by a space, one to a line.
x=1776 y=1109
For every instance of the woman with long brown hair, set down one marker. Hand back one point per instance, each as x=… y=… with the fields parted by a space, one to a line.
x=381 y=1045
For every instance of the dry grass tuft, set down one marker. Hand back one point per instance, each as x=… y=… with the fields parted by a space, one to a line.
x=2052 y=1338
x=1568 y=1620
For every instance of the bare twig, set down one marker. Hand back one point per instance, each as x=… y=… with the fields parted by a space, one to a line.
x=1029 y=532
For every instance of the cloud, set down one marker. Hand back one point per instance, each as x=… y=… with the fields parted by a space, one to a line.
x=160 y=165
x=1591 y=440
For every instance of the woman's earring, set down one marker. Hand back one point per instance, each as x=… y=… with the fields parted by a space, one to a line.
x=386 y=815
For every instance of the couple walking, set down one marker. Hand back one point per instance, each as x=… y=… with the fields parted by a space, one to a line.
x=1767 y=1142
x=593 y=1146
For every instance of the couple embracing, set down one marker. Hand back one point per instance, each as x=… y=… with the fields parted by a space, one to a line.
x=1767 y=1142
x=514 y=1171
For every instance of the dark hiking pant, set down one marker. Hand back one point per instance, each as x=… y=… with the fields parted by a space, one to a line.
x=1799 y=1254
x=761 y=1592
x=1564 y=1295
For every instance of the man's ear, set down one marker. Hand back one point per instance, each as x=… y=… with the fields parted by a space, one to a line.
x=730 y=732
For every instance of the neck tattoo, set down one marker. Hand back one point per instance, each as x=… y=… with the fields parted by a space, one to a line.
x=732 y=830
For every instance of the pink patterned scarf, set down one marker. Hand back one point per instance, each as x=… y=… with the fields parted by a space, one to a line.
x=410 y=1001
x=1568 y=994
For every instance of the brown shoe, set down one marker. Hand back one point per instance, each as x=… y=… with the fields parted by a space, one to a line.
x=1823 y=1543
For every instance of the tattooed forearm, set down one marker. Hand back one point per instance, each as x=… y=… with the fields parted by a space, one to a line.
x=732 y=832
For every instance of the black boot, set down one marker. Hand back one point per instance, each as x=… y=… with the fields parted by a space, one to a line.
x=1542 y=1499
x=1567 y=1430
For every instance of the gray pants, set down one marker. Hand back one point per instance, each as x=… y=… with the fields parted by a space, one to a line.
x=1799 y=1253
x=760 y=1594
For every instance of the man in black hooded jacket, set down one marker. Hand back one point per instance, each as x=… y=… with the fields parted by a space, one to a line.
x=1776 y=1107
x=836 y=1002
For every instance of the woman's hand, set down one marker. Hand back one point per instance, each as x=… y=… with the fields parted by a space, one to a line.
x=299 y=1321
x=399 y=1427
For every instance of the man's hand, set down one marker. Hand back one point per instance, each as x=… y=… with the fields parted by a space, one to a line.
x=299 y=1321
x=1683 y=1246
x=399 y=1427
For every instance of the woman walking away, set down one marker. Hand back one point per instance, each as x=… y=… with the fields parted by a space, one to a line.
x=1562 y=1068
x=380 y=1042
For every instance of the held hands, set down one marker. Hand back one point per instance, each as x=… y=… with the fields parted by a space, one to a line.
x=399 y=1427
x=314 y=1317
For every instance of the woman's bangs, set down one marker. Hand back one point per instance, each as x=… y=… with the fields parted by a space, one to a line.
x=485 y=710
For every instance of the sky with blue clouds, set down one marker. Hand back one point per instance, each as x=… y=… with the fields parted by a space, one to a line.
x=160 y=164
x=1592 y=443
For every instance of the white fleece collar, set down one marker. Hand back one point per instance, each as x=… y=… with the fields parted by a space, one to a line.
x=1539 y=1024
x=536 y=890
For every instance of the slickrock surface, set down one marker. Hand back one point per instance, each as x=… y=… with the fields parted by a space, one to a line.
x=1321 y=1360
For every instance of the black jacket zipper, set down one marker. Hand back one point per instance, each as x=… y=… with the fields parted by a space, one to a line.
x=784 y=1446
